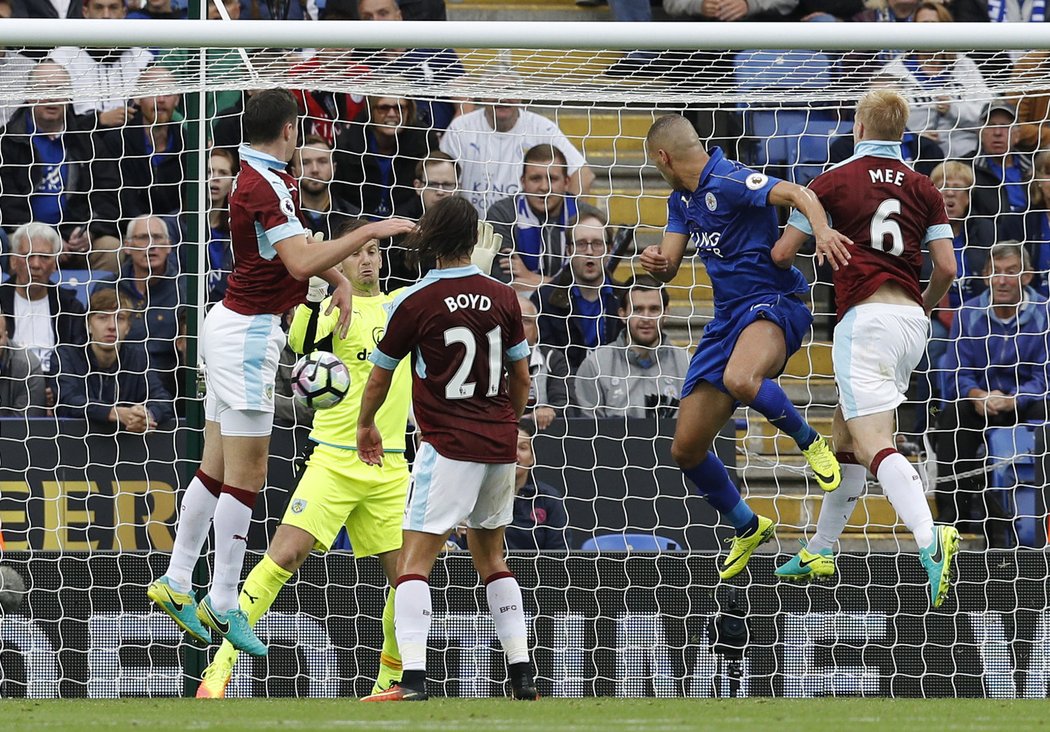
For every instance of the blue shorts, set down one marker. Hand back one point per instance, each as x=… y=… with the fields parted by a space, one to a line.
x=721 y=334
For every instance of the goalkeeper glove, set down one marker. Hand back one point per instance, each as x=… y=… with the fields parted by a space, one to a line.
x=318 y=285
x=489 y=243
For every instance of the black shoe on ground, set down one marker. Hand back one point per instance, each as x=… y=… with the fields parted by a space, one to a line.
x=522 y=685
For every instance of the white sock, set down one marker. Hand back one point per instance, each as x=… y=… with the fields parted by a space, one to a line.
x=232 y=518
x=508 y=613
x=412 y=611
x=837 y=507
x=195 y=515
x=903 y=487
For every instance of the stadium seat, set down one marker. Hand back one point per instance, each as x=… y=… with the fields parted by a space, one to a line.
x=809 y=156
x=83 y=281
x=630 y=543
x=1016 y=444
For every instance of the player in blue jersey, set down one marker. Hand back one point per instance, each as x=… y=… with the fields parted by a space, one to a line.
x=727 y=212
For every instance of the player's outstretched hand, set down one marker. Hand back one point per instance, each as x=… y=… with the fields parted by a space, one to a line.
x=653 y=260
x=489 y=242
x=386 y=228
x=342 y=298
x=833 y=247
x=370 y=445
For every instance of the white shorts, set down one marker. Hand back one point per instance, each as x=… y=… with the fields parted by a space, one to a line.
x=876 y=348
x=446 y=492
x=240 y=354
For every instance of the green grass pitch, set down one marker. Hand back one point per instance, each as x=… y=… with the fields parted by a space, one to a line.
x=503 y=715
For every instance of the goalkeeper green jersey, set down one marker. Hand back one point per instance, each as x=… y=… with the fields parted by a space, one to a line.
x=338 y=426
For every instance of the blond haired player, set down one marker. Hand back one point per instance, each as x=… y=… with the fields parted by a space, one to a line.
x=338 y=489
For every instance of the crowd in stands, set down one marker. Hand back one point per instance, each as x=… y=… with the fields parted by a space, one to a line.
x=92 y=180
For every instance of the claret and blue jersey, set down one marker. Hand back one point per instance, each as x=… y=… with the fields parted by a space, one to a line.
x=729 y=220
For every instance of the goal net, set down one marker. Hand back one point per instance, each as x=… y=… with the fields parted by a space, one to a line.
x=115 y=170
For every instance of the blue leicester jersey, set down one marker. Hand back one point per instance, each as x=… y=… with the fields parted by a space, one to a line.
x=730 y=222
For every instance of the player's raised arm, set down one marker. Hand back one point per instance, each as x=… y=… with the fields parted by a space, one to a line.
x=831 y=245
x=305 y=258
x=942 y=254
x=662 y=261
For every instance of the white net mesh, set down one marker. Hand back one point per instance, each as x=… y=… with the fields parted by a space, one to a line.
x=372 y=121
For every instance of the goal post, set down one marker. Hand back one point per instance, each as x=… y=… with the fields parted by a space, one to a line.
x=88 y=514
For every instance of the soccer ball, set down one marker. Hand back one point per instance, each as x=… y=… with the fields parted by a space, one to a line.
x=320 y=380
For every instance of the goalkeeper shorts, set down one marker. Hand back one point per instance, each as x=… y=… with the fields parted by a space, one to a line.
x=337 y=490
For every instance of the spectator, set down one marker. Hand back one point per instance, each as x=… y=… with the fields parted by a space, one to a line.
x=1033 y=108
x=40 y=314
x=1001 y=175
x=640 y=374
x=549 y=389
x=940 y=87
x=22 y=391
x=160 y=10
x=731 y=10
x=973 y=237
x=1037 y=223
x=534 y=221
x=149 y=152
x=226 y=130
x=50 y=174
x=375 y=158
x=887 y=11
x=490 y=143
x=422 y=9
x=428 y=67
x=540 y=521
x=47 y=8
x=578 y=310
x=312 y=165
x=107 y=381
x=103 y=78
x=14 y=75
x=152 y=293
x=436 y=177
x=221 y=170
x=995 y=374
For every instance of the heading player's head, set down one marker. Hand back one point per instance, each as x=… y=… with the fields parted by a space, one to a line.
x=270 y=122
x=675 y=149
x=882 y=114
x=361 y=267
x=1009 y=270
x=446 y=233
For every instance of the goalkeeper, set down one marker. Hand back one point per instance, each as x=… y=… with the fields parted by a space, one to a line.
x=337 y=489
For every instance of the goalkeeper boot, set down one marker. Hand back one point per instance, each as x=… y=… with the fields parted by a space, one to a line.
x=233 y=626
x=216 y=677
x=413 y=687
x=181 y=607
x=522 y=683
x=937 y=560
x=743 y=546
x=825 y=465
x=389 y=673
x=807 y=565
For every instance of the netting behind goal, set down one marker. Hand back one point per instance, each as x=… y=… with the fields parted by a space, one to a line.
x=135 y=201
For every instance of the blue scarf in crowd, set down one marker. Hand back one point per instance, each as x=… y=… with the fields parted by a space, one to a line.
x=530 y=236
x=997 y=11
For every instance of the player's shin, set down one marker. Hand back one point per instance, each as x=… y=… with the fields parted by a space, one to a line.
x=195 y=515
x=903 y=487
x=773 y=403
x=836 y=507
x=233 y=515
x=390 y=658
x=412 y=615
x=508 y=614
x=261 y=587
x=712 y=480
